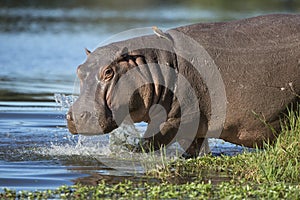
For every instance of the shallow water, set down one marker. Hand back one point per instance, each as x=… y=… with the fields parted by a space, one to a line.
x=40 y=47
x=38 y=152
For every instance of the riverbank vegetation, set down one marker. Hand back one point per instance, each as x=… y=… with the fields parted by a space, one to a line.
x=272 y=173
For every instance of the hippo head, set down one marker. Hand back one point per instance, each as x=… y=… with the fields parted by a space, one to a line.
x=94 y=112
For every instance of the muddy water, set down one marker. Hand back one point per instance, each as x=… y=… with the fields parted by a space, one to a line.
x=40 y=47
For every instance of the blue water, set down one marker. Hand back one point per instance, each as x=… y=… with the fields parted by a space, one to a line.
x=40 y=48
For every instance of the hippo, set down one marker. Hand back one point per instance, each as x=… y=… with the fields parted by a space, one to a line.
x=250 y=77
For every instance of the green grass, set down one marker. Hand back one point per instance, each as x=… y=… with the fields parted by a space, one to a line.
x=279 y=162
x=272 y=173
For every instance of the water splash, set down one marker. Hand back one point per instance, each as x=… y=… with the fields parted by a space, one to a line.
x=100 y=145
x=79 y=146
x=118 y=140
x=63 y=101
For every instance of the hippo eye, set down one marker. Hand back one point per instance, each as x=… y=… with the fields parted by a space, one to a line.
x=108 y=74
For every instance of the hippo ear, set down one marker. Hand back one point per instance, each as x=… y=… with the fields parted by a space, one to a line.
x=87 y=52
x=123 y=53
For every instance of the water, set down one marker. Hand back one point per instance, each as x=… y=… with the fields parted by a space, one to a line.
x=38 y=152
x=41 y=46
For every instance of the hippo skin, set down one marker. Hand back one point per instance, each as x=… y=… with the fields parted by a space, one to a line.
x=258 y=59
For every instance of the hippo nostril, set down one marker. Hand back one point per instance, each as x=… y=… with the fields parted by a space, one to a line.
x=85 y=114
x=82 y=115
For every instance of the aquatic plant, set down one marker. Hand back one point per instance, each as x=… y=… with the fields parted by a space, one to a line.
x=129 y=190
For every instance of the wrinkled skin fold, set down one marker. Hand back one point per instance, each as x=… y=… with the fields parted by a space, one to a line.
x=259 y=62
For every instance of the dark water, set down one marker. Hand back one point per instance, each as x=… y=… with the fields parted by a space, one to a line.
x=40 y=47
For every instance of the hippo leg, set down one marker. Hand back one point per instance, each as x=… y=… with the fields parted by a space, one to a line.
x=198 y=147
x=155 y=142
x=164 y=137
x=149 y=144
x=167 y=135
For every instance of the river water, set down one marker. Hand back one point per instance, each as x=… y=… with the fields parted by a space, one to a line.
x=41 y=46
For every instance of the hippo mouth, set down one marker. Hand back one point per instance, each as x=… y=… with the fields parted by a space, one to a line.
x=88 y=124
x=70 y=123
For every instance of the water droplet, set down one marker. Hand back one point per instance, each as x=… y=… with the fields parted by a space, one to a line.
x=64 y=101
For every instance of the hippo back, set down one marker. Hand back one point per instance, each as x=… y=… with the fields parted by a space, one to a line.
x=259 y=61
